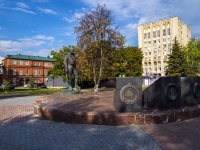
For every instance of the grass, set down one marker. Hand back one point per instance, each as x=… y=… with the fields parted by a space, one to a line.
x=41 y=90
x=18 y=91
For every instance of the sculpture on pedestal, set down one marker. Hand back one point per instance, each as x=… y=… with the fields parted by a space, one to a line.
x=70 y=69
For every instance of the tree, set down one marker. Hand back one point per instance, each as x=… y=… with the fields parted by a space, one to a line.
x=192 y=51
x=6 y=84
x=177 y=63
x=128 y=62
x=31 y=84
x=58 y=70
x=97 y=37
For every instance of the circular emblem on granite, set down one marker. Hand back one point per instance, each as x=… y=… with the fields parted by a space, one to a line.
x=197 y=90
x=129 y=94
x=171 y=91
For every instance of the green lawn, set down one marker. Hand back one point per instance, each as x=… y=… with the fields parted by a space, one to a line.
x=16 y=91
x=40 y=91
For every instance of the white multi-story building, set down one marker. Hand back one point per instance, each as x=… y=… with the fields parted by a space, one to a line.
x=156 y=39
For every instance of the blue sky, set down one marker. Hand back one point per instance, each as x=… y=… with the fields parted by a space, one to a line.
x=35 y=27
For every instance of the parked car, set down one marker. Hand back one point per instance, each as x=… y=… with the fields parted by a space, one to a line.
x=40 y=85
x=1 y=86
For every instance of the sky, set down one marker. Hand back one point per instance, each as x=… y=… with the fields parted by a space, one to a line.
x=35 y=27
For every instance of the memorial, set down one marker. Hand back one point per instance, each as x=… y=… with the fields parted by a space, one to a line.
x=128 y=94
x=70 y=69
x=190 y=90
x=164 y=93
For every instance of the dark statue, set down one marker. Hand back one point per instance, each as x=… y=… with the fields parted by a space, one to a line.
x=70 y=69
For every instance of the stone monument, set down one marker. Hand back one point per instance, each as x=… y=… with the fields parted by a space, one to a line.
x=190 y=90
x=164 y=93
x=128 y=94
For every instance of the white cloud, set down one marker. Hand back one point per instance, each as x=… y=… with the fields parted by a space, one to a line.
x=42 y=1
x=43 y=37
x=9 y=46
x=40 y=52
x=74 y=17
x=22 y=5
x=1 y=58
x=146 y=11
x=24 y=10
x=47 y=11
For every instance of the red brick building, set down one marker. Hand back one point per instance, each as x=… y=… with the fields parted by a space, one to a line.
x=19 y=69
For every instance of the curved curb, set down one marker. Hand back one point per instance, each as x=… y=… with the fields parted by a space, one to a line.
x=145 y=117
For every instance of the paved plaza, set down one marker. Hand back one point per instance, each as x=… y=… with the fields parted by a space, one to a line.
x=21 y=129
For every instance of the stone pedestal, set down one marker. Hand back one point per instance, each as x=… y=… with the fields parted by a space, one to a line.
x=164 y=93
x=128 y=94
x=70 y=91
x=190 y=90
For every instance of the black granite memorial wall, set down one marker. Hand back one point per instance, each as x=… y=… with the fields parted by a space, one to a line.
x=164 y=93
x=128 y=94
x=190 y=90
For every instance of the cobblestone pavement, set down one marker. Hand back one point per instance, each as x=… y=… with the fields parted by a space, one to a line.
x=21 y=129
x=42 y=134
x=176 y=136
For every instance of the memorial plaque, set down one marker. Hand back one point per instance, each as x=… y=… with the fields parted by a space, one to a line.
x=128 y=94
x=190 y=90
x=164 y=93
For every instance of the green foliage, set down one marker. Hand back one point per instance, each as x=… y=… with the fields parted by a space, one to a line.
x=97 y=37
x=31 y=84
x=177 y=63
x=128 y=62
x=192 y=51
x=184 y=62
x=6 y=85
x=58 y=70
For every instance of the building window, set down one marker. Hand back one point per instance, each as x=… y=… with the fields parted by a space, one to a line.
x=27 y=72
x=38 y=63
x=14 y=72
x=34 y=63
x=14 y=62
x=51 y=64
x=154 y=34
x=164 y=32
x=27 y=62
x=35 y=72
x=164 y=46
x=158 y=33
x=38 y=72
x=168 y=31
x=21 y=72
x=149 y=63
x=45 y=63
x=21 y=62
x=148 y=35
x=145 y=35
